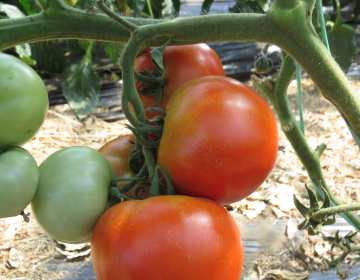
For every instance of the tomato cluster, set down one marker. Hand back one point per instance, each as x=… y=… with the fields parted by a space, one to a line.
x=218 y=144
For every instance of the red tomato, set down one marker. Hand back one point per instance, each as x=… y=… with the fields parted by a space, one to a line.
x=181 y=64
x=167 y=237
x=220 y=140
x=117 y=153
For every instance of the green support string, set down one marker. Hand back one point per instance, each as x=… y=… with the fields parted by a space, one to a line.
x=322 y=24
x=298 y=69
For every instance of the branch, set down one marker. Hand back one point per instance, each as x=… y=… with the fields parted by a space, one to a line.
x=276 y=90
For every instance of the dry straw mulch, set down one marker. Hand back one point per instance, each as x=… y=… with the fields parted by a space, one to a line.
x=25 y=249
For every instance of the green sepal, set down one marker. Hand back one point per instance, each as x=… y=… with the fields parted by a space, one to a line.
x=329 y=221
x=147 y=90
x=332 y=263
x=304 y=225
x=156 y=109
x=115 y=196
x=349 y=236
x=169 y=185
x=316 y=230
x=334 y=240
x=124 y=179
x=327 y=202
x=156 y=189
x=159 y=93
x=127 y=187
x=262 y=64
x=142 y=141
x=299 y=206
x=157 y=130
x=157 y=59
x=314 y=203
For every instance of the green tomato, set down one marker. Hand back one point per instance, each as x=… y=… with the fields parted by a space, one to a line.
x=72 y=193
x=19 y=178
x=23 y=101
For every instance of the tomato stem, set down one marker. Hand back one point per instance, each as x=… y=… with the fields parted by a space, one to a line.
x=276 y=90
x=121 y=20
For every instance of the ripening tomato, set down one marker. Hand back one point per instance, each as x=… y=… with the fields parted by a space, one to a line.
x=72 y=193
x=117 y=153
x=19 y=178
x=220 y=140
x=181 y=64
x=23 y=101
x=167 y=237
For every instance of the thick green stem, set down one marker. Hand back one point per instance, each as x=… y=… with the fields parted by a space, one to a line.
x=130 y=94
x=277 y=92
x=287 y=25
x=326 y=212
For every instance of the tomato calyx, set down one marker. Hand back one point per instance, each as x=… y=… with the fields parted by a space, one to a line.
x=146 y=78
x=138 y=131
x=153 y=83
x=157 y=188
x=262 y=64
x=116 y=195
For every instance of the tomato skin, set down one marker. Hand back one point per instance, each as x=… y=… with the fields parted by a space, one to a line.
x=167 y=237
x=181 y=64
x=220 y=140
x=117 y=153
x=23 y=101
x=72 y=193
x=19 y=178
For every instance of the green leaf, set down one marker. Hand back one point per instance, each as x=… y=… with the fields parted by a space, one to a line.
x=49 y=56
x=342 y=44
x=81 y=86
x=205 y=8
x=299 y=206
x=27 y=6
x=314 y=203
x=115 y=51
x=24 y=52
x=136 y=6
x=11 y=11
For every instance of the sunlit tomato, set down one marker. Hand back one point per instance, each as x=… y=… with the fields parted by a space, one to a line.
x=19 y=178
x=220 y=140
x=167 y=237
x=181 y=64
x=72 y=193
x=23 y=101
x=117 y=153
